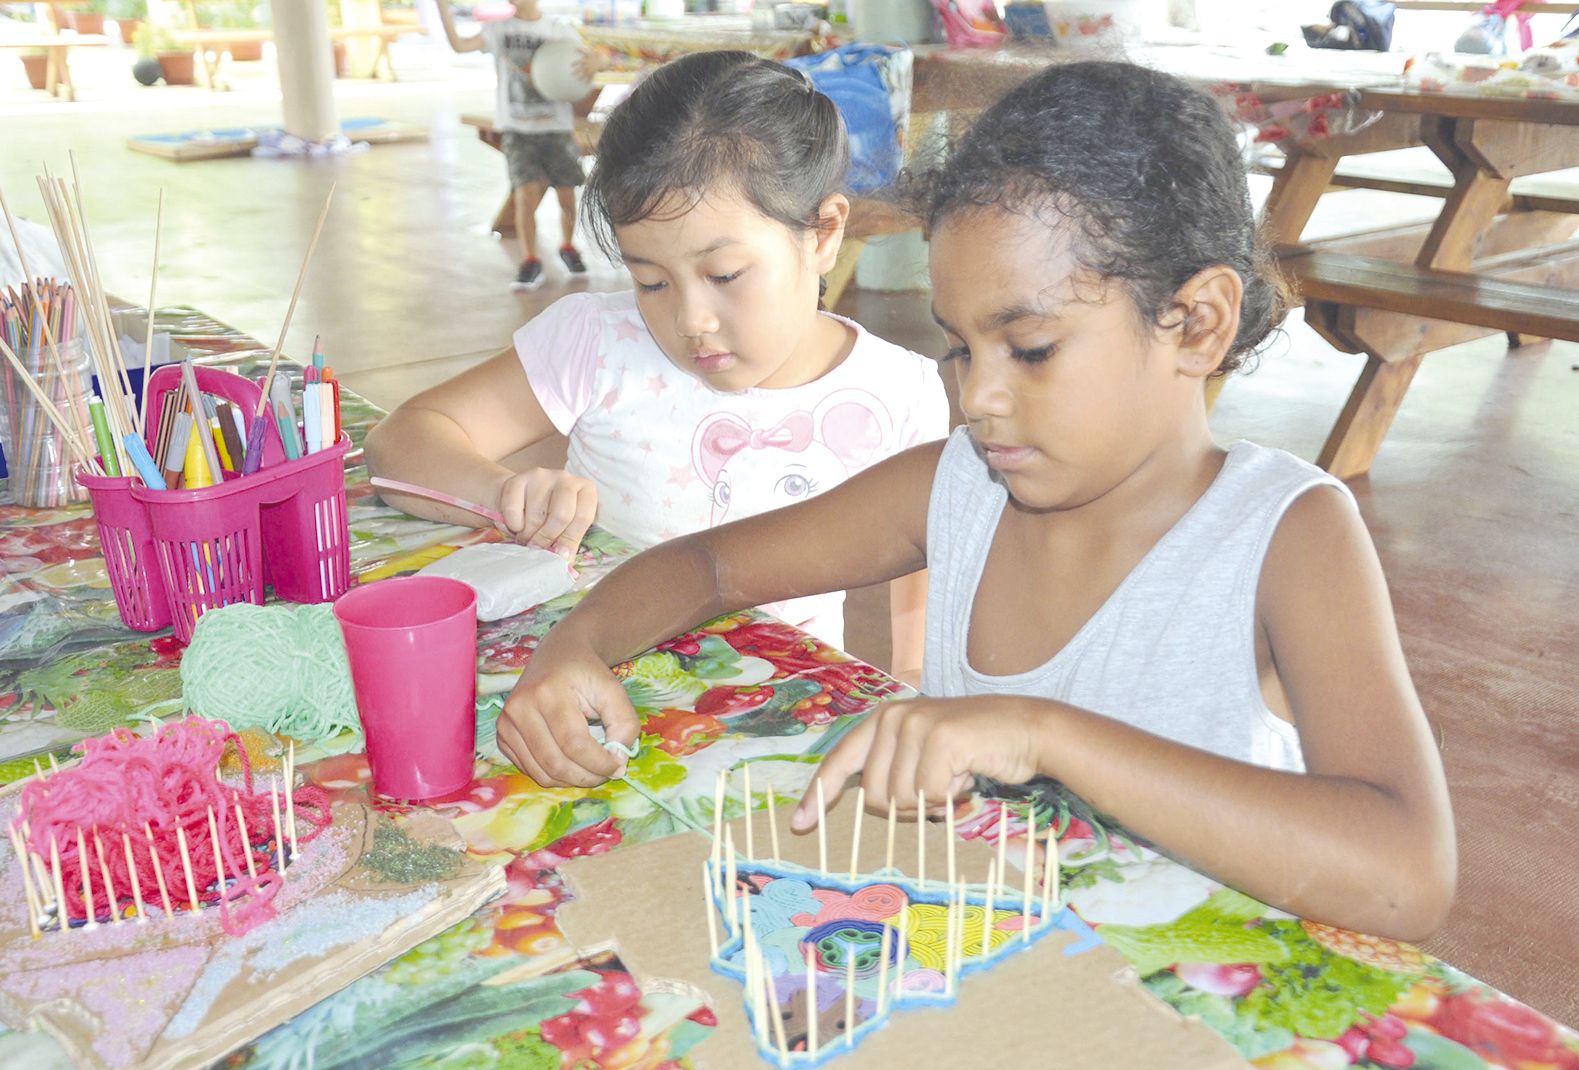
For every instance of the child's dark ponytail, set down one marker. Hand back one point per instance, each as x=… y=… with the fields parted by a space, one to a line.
x=1145 y=168
x=717 y=120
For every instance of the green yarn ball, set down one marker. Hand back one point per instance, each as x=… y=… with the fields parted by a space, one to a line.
x=281 y=668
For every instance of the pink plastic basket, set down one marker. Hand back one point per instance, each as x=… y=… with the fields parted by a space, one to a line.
x=284 y=526
x=126 y=536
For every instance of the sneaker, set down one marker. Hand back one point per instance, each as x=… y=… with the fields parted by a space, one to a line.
x=530 y=277
x=573 y=262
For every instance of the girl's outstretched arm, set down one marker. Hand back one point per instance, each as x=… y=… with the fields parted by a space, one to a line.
x=1363 y=840
x=456 y=436
x=869 y=529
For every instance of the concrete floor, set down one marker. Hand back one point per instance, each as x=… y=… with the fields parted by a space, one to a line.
x=1473 y=502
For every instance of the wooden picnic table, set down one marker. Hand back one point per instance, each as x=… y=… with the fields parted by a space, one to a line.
x=1496 y=259
x=57 y=69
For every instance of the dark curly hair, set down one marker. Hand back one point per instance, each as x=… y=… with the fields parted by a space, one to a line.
x=1145 y=168
x=717 y=119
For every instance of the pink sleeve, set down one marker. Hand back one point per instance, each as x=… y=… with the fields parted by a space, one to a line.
x=558 y=351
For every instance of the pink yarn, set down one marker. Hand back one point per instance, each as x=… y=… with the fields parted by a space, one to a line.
x=126 y=783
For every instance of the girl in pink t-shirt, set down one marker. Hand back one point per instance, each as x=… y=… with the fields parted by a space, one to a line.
x=716 y=389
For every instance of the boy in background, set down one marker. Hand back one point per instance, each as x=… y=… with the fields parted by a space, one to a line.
x=539 y=147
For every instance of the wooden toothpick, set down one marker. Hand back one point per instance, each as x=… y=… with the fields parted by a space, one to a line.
x=882 y=970
x=246 y=841
x=822 y=831
x=811 y=1003
x=900 y=949
x=729 y=881
x=948 y=832
x=778 y=1013
x=87 y=885
x=109 y=886
x=219 y=861
x=849 y=1001
x=986 y=922
x=1050 y=890
x=35 y=907
x=290 y=781
x=54 y=766
x=153 y=852
x=61 y=913
x=186 y=867
x=1003 y=839
x=712 y=908
x=720 y=785
x=1030 y=866
x=279 y=835
x=137 y=888
x=773 y=824
x=855 y=839
x=745 y=789
x=921 y=840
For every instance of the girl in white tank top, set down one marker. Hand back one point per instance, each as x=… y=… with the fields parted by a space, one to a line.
x=1197 y=641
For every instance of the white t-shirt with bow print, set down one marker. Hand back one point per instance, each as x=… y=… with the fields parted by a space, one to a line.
x=670 y=455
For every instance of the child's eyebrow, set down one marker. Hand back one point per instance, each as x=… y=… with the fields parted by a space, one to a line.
x=697 y=254
x=1003 y=317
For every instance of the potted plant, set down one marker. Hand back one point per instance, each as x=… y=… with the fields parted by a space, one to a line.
x=128 y=16
x=89 y=18
x=36 y=62
x=177 y=65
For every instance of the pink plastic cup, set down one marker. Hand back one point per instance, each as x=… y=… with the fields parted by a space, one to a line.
x=412 y=644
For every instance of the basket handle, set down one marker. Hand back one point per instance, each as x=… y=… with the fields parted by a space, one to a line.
x=236 y=389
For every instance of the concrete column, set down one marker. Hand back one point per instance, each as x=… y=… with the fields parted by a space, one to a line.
x=306 y=59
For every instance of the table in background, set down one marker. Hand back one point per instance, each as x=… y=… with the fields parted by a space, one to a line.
x=742 y=687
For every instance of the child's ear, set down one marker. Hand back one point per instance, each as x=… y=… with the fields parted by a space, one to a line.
x=1209 y=318
x=828 y=232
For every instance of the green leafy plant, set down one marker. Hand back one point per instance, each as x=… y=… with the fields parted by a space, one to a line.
x=123 y=10
x=153 y=41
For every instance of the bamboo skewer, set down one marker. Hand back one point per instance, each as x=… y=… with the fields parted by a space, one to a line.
x=148 y=332
x=888 y=852
x=730 y=902
x=290 y=310
x=290 y=800
x=219 y=861
x=882 y=970
x=921 y=840
x=900 y=954
x=1003 y=838
x=104 y=305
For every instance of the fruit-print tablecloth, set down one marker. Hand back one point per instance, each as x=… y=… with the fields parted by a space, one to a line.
x=505 y=989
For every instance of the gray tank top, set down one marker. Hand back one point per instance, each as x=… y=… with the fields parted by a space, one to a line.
x=1139 y=659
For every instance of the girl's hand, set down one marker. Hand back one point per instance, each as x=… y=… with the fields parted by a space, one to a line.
x=548 y=508
x=543 y=728
x=936 y=746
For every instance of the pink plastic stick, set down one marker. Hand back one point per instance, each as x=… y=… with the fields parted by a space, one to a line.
x=437 y=496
